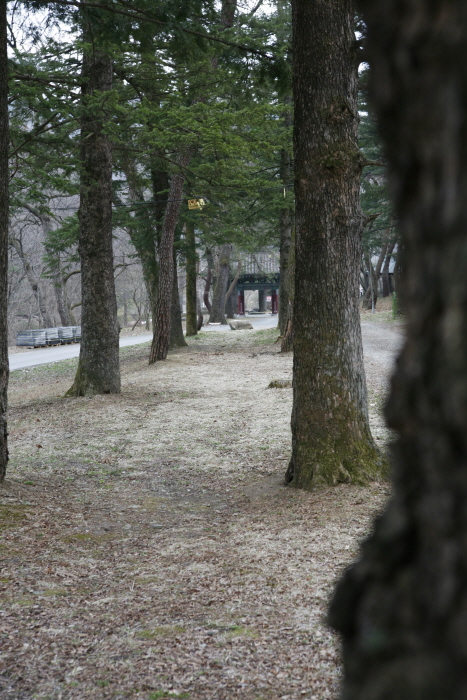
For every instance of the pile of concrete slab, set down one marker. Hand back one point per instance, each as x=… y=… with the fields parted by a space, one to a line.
x=43 y=337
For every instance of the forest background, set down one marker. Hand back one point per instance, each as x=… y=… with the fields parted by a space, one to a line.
x=416 y=553
x=172 y=90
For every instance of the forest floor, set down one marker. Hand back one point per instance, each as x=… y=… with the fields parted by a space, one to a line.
x=149 y=549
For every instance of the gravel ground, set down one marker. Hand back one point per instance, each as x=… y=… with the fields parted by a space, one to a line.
x=149 y=549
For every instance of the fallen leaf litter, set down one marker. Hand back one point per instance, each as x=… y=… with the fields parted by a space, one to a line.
x=149 y=549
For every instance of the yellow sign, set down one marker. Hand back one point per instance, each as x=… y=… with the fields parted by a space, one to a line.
x=196 y=203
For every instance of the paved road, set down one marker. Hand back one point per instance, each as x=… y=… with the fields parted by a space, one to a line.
x=258 y=322
x=43 y=356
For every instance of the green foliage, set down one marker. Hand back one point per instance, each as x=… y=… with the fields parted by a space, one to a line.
x=374 y=195
x=173 y=89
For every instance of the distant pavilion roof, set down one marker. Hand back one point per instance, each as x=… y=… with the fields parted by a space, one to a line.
x=258 y=280
x=260 y=271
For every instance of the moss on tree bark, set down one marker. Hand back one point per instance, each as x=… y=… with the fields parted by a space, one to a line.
x=331 y=438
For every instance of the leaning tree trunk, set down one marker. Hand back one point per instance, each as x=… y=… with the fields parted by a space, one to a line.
x=4 y=176
x=220 y=288
x=177 y=339
x=402 y=609
x=331 y=439
x=162 y=313
x=191 y=297
x=98 y=368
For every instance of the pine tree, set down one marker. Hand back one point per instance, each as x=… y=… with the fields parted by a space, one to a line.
x=331 y=438
x=98 y=367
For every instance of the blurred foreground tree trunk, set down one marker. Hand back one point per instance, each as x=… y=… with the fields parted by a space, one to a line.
x=331 y=438
x=4 y=177
x=402 y=609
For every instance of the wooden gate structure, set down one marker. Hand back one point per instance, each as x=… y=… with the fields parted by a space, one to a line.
x=261 y=274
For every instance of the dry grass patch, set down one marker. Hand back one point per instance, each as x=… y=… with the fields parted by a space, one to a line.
x=149 y=548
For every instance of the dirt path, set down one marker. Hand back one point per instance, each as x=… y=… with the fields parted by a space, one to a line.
x=149 y=549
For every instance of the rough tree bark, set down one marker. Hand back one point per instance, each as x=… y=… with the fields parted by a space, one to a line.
x=402 y=609
x=98 y=367
x=162 y=311
x=4 y=206
x=331 y=439
x=217 y=314
x=191 y=311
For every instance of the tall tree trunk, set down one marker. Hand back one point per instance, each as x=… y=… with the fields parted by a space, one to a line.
x=231 y=294
x=161 y=320
x=231 y=305
x=285 y=231
x=98 y=367
x=385 y=278
x=4 y=209
x=199 y=313
x=146 y=236
x=331 y=439
x=286 y=213
x=287 y=336
x=402 y=609
x=374 y=271
x=285 y=226
x=207 y=285
x=177 y=339
x=162 y=315
x=191 y=316
x=220 y=288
